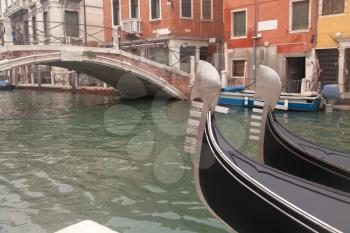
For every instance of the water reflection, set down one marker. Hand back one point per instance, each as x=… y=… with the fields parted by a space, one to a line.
x=63 y=160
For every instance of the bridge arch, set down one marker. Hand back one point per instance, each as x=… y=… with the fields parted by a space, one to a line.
x=128 y=73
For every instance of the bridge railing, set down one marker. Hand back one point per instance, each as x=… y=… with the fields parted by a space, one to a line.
x=127 y=37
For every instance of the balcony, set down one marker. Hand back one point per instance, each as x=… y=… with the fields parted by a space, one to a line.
x=132 y=26
x=18 y=7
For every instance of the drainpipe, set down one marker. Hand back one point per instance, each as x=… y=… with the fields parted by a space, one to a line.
x=254 y=39
x=315 y=22
x=85 y=27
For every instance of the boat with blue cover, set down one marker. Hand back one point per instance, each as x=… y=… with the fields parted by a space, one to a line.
x=6 y=86
x=237 y=96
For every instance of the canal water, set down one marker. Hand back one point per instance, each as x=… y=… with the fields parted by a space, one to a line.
x=66 y=158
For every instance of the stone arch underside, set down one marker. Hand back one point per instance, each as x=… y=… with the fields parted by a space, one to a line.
x=128 y=79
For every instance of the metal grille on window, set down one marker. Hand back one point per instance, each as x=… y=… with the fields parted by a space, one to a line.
x=155 y=9
x=206 y=9
x=186 y=8
x=332 y=7
x=300 y=19
x=329 y=66
x=239 y=23
x=238 y=68
x=71 y=19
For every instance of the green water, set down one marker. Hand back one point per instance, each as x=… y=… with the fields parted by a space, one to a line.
x=66 y=158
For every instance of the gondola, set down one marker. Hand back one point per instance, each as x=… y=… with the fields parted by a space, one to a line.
x=285 y=151
x=245 y=195
x=303 y=158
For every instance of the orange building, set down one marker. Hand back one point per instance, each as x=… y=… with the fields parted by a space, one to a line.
x=151 y=27
x=283 y=32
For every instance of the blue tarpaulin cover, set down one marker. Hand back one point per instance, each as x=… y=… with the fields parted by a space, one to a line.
x=3 y=83
x=331 y=91
x=233 y=89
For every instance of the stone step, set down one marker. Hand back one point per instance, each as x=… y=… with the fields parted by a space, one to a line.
x=342 y=107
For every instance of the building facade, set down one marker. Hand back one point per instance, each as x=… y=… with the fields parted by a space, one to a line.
x=279 y=34
x=53 y=22
x=168 y=31
x=333 y=43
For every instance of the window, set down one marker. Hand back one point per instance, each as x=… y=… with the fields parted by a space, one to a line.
x=34 y=30
x=330 y=7
x=186 y=8
x=134 y=9
x=207 y=9
x=155 y=9
x=116 y=13
x=158 y=54
x=46 y=26
x=71 y=20
x=26 y=32
x=238 y=68
x=300 y=15
x=239 y=23
x=185 y=53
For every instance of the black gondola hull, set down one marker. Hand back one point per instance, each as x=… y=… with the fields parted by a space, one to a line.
x=236 y=204
x=250 y=197
x=303 y=159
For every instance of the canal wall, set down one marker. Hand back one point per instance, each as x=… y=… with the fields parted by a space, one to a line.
x=64 y=88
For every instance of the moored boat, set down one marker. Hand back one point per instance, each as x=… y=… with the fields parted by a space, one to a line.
x=248 y=196
x=287 y=101
x=6 y=86
x=295 y=155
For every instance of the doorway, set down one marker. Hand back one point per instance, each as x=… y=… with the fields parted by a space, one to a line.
x=185 y=53
x=295 y=72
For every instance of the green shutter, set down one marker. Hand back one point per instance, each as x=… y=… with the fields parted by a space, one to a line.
x=239 y=23
x=300 y=19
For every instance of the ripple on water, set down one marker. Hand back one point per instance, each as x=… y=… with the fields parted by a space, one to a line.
x=101 y=159
x=62 y=188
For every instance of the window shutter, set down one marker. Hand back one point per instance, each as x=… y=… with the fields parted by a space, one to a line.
x=239 y=23
x=72 y=23
x=155 y=9
x=338 y=6
x=300 y=15
x=206 y=9
x=186 y=8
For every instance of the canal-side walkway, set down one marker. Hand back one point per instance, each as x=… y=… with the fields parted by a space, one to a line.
x=65 y=88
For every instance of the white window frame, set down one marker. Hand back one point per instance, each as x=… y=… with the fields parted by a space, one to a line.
x=120 y=15
x=291 y=17
x=211 y=11
x=150 y=11
x=139 y=10
x=233 y=37
x=182 y=17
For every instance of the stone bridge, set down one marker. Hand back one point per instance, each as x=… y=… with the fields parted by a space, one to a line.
x=131 y=75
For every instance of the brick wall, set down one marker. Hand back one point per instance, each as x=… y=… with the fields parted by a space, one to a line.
x=268 y=10
x=170 y=18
